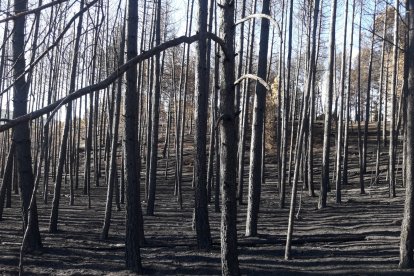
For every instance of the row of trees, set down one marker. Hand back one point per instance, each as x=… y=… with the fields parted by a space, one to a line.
x=125 y=70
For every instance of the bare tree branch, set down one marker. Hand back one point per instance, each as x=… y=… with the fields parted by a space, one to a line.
x=55 y=43
x=45 y=6
x=261 y=15
x=253 y=77
x=383 y=38
x=107 y=81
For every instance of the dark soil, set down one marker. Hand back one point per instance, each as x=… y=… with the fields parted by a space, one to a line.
x=358 y=237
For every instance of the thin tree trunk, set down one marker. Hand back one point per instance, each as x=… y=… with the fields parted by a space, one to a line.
x=391 y=169
x=217 y=170
x=328 y=112
x=245 y=112
x=299 y=144
x=63 y=146
x=359 y=115
x=155 y=118
x=114 y=143
x=7 y=177
x=338 y=177
x=368 y=98
x=279 y=112
x=381 y=82
x=347 y=107
x=286 y=93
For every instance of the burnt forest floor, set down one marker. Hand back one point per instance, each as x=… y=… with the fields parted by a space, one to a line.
x=358 y=237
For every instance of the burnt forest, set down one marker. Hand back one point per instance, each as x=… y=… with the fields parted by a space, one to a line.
x=206 y=137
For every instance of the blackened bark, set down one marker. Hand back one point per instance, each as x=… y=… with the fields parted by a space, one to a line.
x=63 y=146
x=155 y=118
x=228 y=152
x=391 y=168
x=346 y=138
x=131 y=170
x=202 y=225
x=259 y=103
x=21 y=134
x=339 y=145
x=328 y=112
x=368 y=97
x=407 y=229
x=114 y=143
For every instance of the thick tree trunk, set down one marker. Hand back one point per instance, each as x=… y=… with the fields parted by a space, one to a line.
x=407 y=227
x=21 y=134
x=131 y=150
x=259 y=108
x=202 y=225
x=228 y=153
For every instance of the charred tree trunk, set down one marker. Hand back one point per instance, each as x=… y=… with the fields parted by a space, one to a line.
x=407 y=230
x=114 y=143
x=347 y=107
x=21 y=133
x=228 y=153
x=255 y=174
x=381 y=82
x=285 y=123
x=131 y=150
x=299 y=143
x=245 y=112
x=393 y=134
x=53 y=223
x=368 y=98
x=338 y=177
x=202 y=225
x=328 y=112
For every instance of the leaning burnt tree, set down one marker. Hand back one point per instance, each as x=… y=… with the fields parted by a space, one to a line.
x=310 y=77
x=114 y=141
